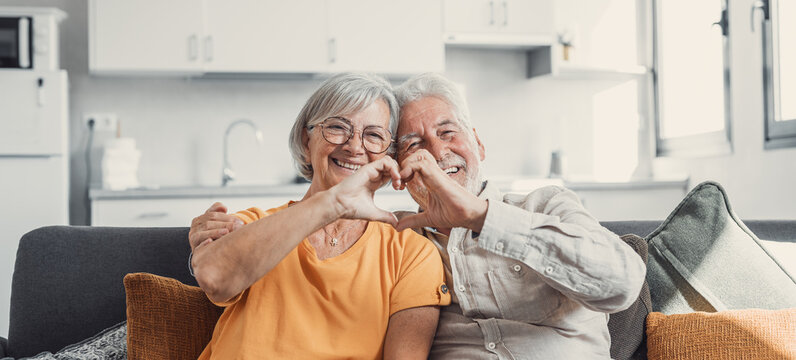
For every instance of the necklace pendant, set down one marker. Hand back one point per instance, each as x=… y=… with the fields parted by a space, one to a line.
x=334 y=241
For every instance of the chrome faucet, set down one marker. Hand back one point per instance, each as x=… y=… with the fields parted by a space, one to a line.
x=227 y=174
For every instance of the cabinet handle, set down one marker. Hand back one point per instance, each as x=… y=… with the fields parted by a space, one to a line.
x=505 y=13
x=151 y=215
x=193 y=47
x=208 y=48
x=491 y=13
x=763 y=7
x=332 y=50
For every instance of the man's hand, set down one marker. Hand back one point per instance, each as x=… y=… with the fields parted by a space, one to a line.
x=445 y=203
x=211 y=225
x=354 y=196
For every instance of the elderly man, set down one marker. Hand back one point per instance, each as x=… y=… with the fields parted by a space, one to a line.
x=533 y=276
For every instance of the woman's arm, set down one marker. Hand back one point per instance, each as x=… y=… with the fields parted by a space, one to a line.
x=227 y=266
x=410 y=333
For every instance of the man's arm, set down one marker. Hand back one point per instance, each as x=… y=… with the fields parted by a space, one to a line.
x=410 y=333
x=551 y=232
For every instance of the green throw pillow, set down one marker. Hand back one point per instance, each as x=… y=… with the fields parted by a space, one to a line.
x=703 y=258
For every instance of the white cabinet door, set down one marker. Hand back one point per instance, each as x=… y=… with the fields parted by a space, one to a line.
x=145 y=36
x=147 y=212
x=518 y=17
x=265 y=36
x=382 y=36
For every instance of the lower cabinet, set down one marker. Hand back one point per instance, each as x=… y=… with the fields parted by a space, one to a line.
x=157 y=212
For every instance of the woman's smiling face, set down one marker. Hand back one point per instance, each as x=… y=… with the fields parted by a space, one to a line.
x=332 y=163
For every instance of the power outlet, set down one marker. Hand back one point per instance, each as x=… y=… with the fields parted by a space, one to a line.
x=102 y=121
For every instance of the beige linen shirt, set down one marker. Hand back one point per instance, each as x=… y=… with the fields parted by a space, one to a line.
x=538 y=282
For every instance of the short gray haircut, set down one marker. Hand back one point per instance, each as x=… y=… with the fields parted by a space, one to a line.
x=436 y=85
x=342 y=94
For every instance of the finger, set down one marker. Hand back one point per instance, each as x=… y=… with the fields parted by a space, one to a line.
x=200 y=236
x=414 y=221
x=217 y=207
x=203 y=243
x=212 y=225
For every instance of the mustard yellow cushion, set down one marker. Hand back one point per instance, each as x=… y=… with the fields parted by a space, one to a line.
x=733 y=334
x=167 y=319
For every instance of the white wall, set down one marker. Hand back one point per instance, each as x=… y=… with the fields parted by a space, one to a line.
x=760 y=183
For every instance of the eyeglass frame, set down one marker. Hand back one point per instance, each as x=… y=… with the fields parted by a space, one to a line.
x=352 y=132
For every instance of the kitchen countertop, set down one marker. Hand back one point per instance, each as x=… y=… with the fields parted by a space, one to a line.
x=507 y=184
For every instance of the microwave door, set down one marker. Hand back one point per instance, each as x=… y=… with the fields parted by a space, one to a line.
x=15 y=42
x=33 y=110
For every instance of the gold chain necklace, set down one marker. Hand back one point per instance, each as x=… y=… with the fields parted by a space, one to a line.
x=335 y=239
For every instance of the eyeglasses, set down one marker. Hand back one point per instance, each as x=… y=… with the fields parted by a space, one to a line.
x=338 y=130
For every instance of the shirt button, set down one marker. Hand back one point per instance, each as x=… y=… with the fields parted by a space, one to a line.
x=517 y=268
x=491 y=346
x=549 y=270
x=499 y=246
x=454 y=249
x=461 y=288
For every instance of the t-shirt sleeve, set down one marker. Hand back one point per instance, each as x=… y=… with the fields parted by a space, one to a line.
x=248 y=216
x=421 y=277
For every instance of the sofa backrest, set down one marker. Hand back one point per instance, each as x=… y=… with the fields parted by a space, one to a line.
x=67 y=282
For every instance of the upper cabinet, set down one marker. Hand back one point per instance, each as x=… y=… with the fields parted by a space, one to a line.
x=386 y=36
x=499 y=23
x=265 y=36
x=131 y=36
x=272 y=36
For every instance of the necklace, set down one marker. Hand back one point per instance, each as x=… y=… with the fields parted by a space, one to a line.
x=335 y=239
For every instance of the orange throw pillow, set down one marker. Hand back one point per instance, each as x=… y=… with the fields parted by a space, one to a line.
x=734 y=334
x=167 y=319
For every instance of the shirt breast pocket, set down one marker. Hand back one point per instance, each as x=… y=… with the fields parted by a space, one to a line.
x=521 y=295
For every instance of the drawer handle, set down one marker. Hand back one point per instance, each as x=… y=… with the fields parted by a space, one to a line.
x=151 y=215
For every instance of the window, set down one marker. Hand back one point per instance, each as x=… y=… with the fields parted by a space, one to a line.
x=779 y=39
x=691 y=77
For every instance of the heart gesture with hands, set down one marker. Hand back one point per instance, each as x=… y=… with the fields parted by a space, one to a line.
x=354 y=195
x=446 y=204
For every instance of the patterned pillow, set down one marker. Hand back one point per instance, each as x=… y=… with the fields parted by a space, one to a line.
x=109 y=344
x=627 y=326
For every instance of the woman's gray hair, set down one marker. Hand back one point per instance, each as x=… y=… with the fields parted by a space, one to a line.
x=436 y=85
x=342 y=94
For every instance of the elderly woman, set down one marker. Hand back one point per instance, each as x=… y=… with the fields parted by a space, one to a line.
x=327 y=276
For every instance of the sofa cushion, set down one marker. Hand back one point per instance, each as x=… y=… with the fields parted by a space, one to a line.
x=703 y=258
x=734 y=334
x=67 y=284
x=627 y=326
x=167 y=319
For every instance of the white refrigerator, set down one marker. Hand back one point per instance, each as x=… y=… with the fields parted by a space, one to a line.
x=34 y=163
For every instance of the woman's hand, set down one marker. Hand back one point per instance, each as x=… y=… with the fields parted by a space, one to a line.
x=354 y=195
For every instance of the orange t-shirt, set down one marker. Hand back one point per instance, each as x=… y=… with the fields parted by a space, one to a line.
x=334 y=308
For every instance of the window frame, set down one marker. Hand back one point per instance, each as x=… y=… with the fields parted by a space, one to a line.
x=698 y=145
x=778 y=133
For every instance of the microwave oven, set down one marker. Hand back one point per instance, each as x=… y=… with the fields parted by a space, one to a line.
x=29 y=38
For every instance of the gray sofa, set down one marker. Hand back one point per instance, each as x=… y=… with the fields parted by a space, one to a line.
x=67 y=282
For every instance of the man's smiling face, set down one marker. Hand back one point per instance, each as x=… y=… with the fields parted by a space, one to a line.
x=430 y=123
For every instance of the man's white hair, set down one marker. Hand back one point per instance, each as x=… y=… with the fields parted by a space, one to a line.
x=342 y=94
x=436 y=85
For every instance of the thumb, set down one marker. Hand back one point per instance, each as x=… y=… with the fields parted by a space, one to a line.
x=385 y=217
x=413 y=221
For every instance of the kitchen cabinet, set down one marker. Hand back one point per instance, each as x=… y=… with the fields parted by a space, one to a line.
x=266 y=36
x=383 y=36
x=607 y=40
x=145 y=36
x=499 y=23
